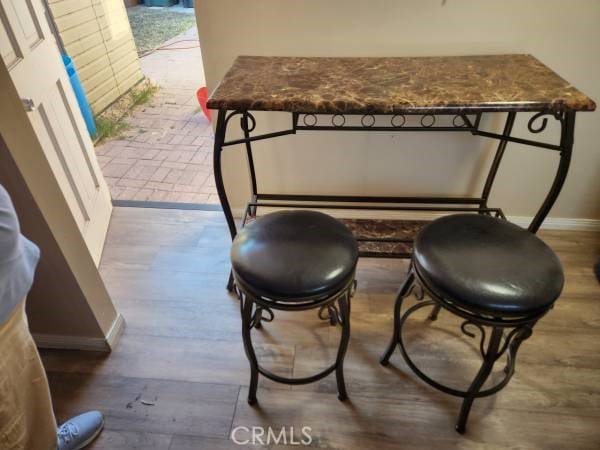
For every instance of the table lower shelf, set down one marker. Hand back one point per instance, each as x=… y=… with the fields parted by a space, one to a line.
x=384 y=237
x=380 y=238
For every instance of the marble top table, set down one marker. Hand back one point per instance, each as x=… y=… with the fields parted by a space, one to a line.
x=402 y=94
x=395 y=85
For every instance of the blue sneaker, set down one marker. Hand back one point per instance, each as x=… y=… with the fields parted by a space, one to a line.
x=80 y=431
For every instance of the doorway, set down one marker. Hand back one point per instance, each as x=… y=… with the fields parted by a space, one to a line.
x=163 y=157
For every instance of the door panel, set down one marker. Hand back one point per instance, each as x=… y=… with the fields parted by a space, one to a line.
x=59 y=161
x=30 y=53
x=28 y=24
x=9 y=49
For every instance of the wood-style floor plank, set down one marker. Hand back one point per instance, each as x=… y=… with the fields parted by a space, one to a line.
x=131 y=440
x=178 y=359
x=182 y=442
x=365 y=423
x=182 y=353
x=147 y=405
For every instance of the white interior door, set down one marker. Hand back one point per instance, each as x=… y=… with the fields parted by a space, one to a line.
x=30 y=53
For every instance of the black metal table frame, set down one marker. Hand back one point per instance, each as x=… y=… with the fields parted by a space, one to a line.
x=463 y=121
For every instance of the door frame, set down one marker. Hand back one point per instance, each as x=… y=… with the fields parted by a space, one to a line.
x=28 y=155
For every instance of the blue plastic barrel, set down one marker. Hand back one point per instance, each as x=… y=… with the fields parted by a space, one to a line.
x=84 y=106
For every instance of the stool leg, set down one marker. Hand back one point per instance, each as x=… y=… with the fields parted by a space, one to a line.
x=230 y=282
x=344 y=304
x=404 y=290
x=491 y=355
x=513 y=348
x=331 y=314
x=246 y=328
x=258 y=318
x=333 y=317
x=434 y=312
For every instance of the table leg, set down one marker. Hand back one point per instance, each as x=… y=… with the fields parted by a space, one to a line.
x=489 y=182
x=218 y=173
x=566 y=142
x=247 y=128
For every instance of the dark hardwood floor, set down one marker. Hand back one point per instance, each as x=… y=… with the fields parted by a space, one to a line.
x=178 y=379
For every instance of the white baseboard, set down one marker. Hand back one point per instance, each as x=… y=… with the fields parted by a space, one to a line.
x=115 y=331
x=560 y=223
x=81 y=342
x=551 y=223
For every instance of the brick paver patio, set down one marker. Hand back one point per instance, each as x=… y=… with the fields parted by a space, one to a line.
x=166 y=155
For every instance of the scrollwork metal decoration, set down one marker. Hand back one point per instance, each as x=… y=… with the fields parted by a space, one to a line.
x=395 y=123
x=333 y=314
x=383 y=121
x=512 y=340
x=371 y=121
x=353 y=288
x=507 y=340
x=243 y=123
x=258 y=316
x=244 y=114
x=417 y=290
x=459 y=125
x=531 y=123
x=313 y=120
x=429 y=117
x=338 y=120
x=463 y=328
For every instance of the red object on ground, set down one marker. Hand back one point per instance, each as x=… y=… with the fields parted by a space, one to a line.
x=202 y=95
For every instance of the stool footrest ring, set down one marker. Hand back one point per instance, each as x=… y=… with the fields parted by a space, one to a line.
x=509 y=370
x=296 y=381
x=491 y=348
x=338 y=309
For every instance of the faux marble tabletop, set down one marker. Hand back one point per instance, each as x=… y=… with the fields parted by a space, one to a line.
x=395 y=85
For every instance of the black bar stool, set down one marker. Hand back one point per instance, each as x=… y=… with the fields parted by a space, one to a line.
x=294 y=261
x=490 y=272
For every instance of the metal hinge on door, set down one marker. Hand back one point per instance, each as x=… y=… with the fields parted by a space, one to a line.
x=28 y=104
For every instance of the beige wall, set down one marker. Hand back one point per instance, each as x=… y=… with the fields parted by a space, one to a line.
x=97 y=35
x=564 y=35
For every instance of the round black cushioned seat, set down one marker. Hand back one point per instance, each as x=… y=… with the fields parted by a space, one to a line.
x=294 y=254
x=487 y=265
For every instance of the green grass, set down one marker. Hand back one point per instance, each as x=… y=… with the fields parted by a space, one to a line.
x=152 y=27
x=109 y=127
x=113 y=122
x=143 y=94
